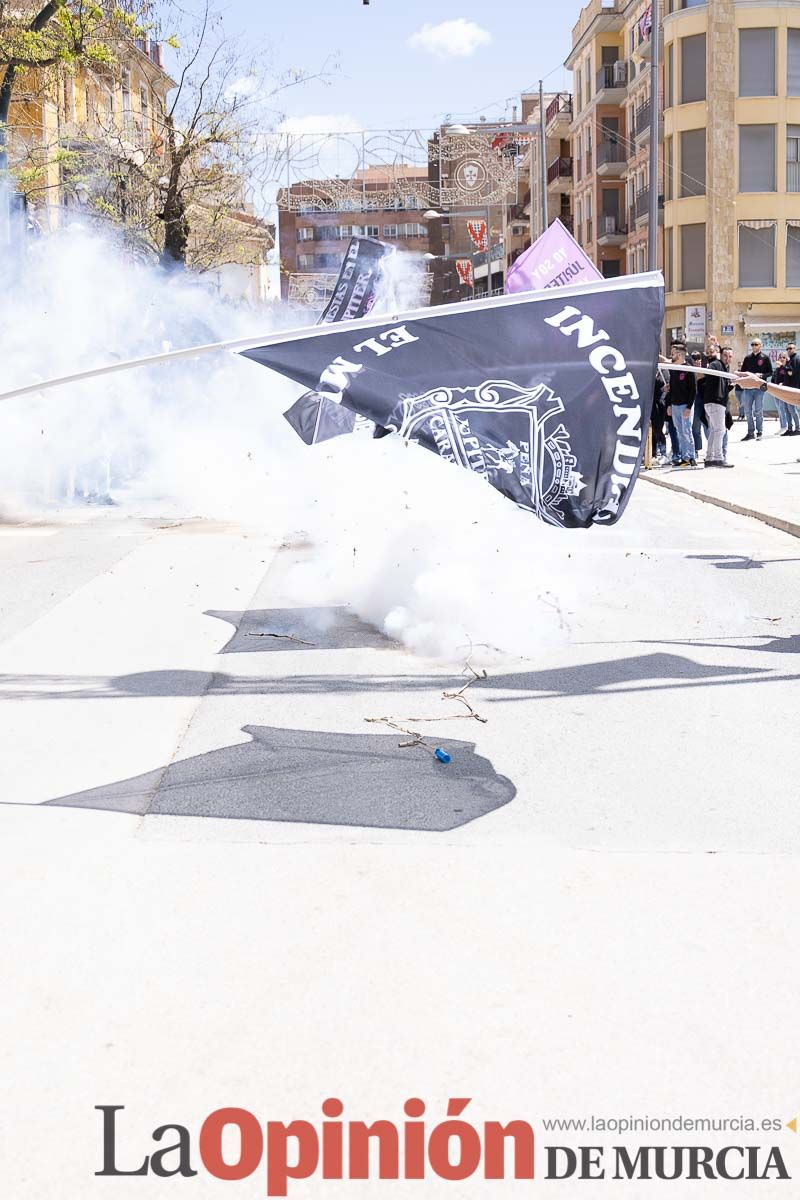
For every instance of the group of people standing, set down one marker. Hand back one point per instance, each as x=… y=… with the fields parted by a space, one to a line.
x=685 y=403
x=690 y=404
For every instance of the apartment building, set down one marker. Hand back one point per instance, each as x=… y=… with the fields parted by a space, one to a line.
x=599 y=133
x=557 y=177
x=732 y=148
x=317 y=219
x=86 y=112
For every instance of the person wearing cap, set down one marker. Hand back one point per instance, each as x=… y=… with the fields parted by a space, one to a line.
x=755 y=363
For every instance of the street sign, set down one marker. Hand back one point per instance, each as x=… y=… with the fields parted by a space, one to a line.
x=727 y=330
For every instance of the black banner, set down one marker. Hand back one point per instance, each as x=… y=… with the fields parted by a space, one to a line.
x=546 y=395
x=312 y=417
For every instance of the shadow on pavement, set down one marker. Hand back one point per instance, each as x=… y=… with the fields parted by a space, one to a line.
x=295 y=775
x=650 y=672
x=738 y=562
x=280 y=629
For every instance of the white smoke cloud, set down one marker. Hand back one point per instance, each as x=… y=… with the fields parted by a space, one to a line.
x=418 y=547
x=450 y=39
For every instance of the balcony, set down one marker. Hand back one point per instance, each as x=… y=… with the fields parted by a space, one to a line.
x=610 y=232
x=558 y=115
x=612 y=83
x=642 y=208
x=611 y=160
x=644 y=51
x=559 y=173
x=641 y=122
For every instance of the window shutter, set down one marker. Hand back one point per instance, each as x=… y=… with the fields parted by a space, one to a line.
x=757 y=62
x=693 y=162
x=756 y=158
x=693 y=68
x=693 y=257
x=793 y=81
x=756 y=254
x=793 y=254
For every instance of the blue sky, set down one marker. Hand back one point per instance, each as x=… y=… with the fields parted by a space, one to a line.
x=473 y=58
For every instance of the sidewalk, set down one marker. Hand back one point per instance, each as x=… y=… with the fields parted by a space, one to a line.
x=765 y=484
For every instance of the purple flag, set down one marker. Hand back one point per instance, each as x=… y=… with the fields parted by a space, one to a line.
x=554 y=260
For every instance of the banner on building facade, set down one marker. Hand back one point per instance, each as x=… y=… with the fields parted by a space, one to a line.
x=312 y=417
x=478 y=233
x=547 y=397
x=464 y=268
x=554 y=260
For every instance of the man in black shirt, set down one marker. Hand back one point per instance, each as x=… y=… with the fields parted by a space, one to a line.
x=682 y=390
x=715 y=395
x=755 y=363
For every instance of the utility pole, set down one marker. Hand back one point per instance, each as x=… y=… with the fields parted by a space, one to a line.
x=543 y=157
x=652 y=240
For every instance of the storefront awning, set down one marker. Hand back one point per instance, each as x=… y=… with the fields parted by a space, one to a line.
x=781 y=324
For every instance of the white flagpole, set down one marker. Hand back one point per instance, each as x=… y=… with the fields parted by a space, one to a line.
x=373 y=321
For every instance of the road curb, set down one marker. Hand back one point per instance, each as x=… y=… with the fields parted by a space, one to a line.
x=785 y=526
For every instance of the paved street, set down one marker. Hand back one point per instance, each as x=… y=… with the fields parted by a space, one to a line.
x=229 y=886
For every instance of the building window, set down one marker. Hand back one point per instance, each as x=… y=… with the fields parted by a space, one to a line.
x=693 y=162
x=757 y=158
x=668 y=263
x=305 y=262
x=668 y=79
x=793 y=158
x=693 y=258
x=693 y=68
x=372 y=231
x=757 y=62
x=390 y=231
x=305 y=233
x=793 y=256
x=668 y=168
x=793 y=72
x=756 y=255
x=326 y=233
x=126 y=97
x=412 y=229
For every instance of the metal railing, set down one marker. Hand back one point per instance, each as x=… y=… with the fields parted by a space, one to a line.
x=560 y=105
x=611 y=226
x=642 y=203
x=614 y=75
x=560 y=168
x=610 y=152
x=642 y=119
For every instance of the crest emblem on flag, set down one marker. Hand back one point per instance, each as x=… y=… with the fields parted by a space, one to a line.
x=477 y=232
x=464 y=268
x=500 y=429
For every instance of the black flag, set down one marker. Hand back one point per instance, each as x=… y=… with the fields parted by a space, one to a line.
x=547 y=395
x=312 y=417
